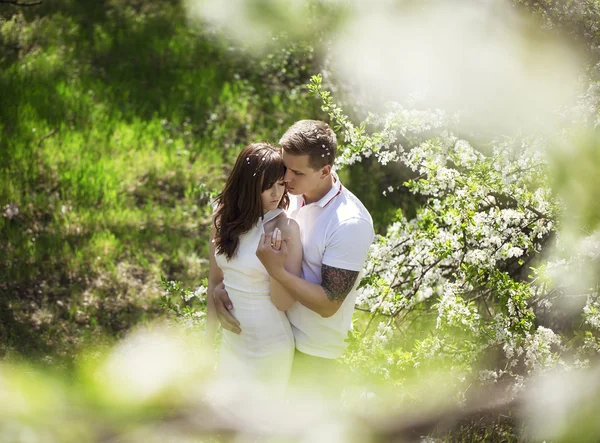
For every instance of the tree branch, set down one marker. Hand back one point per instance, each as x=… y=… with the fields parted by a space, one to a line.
x=49 y=134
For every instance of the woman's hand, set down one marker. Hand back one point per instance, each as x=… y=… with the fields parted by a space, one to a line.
x=272 y=258
x=276 y=239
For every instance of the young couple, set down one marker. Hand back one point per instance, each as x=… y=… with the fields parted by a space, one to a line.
x=287 y=245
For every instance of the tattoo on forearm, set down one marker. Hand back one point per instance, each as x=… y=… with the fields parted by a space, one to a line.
x=337 y=283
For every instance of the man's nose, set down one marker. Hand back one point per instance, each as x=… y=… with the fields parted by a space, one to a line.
x=287 y=176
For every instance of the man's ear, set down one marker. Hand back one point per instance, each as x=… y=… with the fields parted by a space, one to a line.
x=325 y=171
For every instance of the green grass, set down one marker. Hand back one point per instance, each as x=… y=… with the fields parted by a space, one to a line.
x=117 y=120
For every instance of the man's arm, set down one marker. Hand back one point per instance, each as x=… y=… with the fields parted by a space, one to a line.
x=324 y=299
x=337 y=283
x=222 y=306
x=345 y=253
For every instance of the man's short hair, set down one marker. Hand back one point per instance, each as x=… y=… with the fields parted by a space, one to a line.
x=313 y=138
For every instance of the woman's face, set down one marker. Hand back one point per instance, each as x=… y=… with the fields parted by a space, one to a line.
x=271 y=197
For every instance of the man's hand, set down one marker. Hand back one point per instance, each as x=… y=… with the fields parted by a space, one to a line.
x=272 y=258
x=223 y=305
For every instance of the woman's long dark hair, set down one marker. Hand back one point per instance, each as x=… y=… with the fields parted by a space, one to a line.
x=258 y=167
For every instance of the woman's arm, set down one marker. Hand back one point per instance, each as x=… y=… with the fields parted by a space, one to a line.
x=293 y=263
x=215 y=276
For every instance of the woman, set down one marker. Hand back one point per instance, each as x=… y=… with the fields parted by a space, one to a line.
x=251 y=204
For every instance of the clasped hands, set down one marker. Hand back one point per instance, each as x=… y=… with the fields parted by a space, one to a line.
x=272 y=251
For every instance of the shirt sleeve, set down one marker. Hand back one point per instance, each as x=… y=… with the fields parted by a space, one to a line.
x=348 y=246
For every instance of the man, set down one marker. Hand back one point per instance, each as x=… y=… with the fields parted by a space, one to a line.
x=336 y=232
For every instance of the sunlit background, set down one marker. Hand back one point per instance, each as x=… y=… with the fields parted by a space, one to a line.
x=467 y=128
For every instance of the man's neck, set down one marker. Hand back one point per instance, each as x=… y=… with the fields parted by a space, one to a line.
x=321 y=192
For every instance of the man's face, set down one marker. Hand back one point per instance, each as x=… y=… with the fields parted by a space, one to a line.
x=299 y=177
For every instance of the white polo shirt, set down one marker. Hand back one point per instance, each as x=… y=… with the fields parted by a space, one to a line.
x=336 y=231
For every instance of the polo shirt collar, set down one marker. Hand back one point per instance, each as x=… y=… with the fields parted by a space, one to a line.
x=335 y=190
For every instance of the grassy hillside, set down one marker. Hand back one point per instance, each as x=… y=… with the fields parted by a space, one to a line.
x=117 y=120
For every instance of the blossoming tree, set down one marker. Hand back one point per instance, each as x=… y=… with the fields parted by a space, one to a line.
x=470 y=260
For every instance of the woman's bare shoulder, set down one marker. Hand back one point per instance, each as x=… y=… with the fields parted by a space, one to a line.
x=287 y=225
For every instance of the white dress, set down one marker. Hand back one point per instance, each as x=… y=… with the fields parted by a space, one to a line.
x=263 y=352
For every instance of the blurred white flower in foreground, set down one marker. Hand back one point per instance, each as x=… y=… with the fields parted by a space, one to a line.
x=154 y=361
x=563 y=406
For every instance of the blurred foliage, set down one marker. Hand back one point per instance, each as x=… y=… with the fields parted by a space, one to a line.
x=576 y=179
